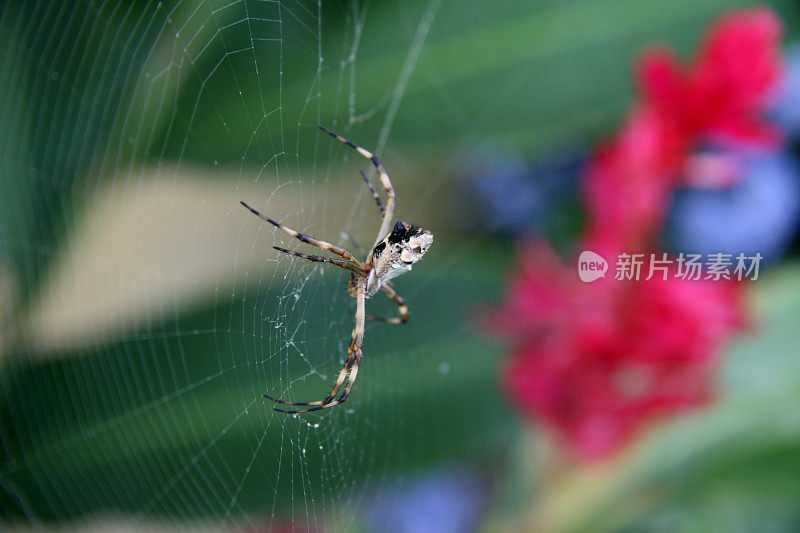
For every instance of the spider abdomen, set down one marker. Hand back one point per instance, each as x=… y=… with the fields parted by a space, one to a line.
x=397 y=253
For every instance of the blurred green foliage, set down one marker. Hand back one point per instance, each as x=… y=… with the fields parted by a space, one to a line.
x=95 y=431
x=91 y=423
x=68 y=72
x=526 y=74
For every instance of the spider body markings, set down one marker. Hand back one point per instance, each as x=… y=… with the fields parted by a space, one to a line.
x=393 y=253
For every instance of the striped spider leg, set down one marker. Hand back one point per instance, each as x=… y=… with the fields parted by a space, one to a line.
x=392 y=254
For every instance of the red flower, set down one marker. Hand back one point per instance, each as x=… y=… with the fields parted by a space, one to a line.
x=630 y=180
x=724 y=92
x=598 y=360
x=595 y=361
x=627 y=186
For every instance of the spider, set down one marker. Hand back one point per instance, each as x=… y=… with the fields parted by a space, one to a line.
x=393 y=253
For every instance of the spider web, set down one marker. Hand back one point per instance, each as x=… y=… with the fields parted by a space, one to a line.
x=145 y=312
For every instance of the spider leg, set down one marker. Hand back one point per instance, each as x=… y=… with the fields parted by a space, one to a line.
x=388 y=212
x=401 y=307
x=342 y=375
x=350 y=367
x=320 y=259
x=374 y=192
x=306 y=238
